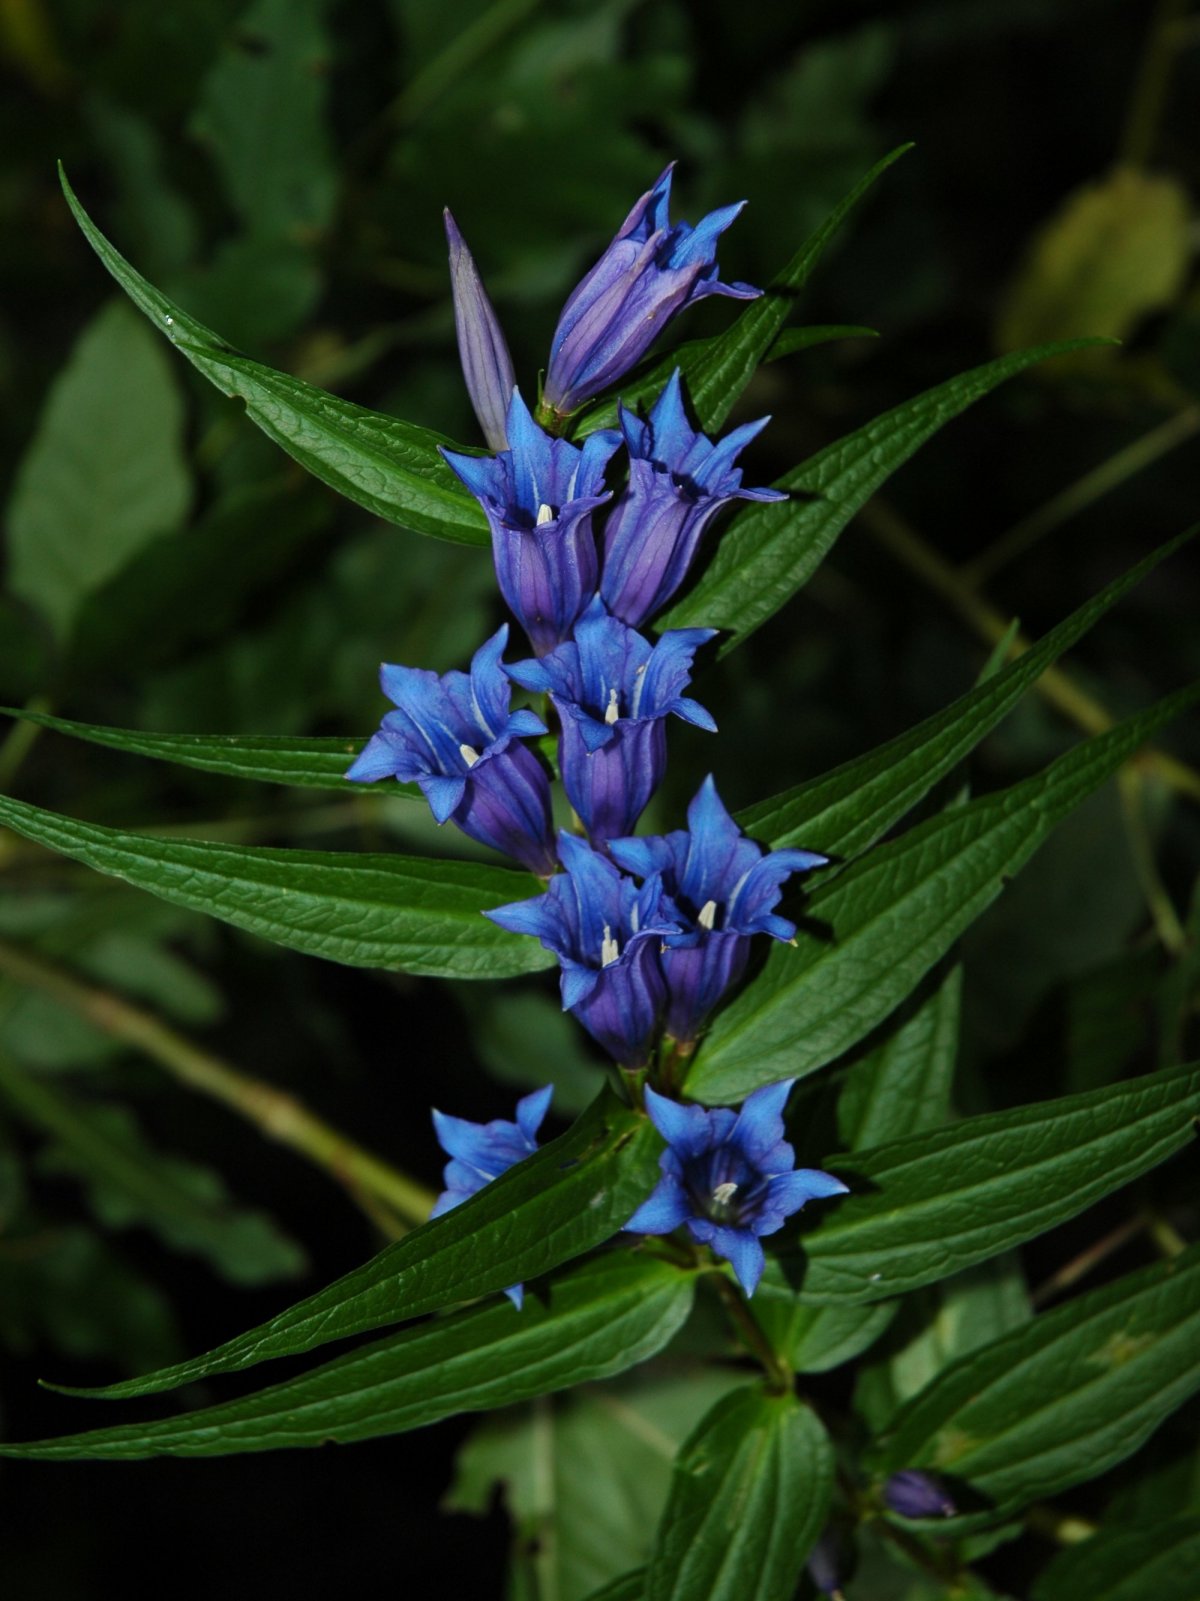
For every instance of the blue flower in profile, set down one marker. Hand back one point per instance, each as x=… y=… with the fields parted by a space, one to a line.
x=914 y=1494
x=678 y=482
x=538 y=497
x=483 y=351
x=724 y=889
x=613 y=691
x=730 y=1177
x=456 y=738
x=606 y=935
x=651 y=270
x=480 y=1152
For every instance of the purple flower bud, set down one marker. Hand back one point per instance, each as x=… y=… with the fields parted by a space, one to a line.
x=538 y=497
x=605 y=933
x=650 y=271
x=825 y=1565
x=455 y=737
x=486 y=363
x=914 y=1494
x=678 y=481
x=724 y=889
x=613 y=690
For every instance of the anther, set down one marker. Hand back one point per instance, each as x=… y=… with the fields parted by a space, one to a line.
x=609 y=949
x=611 y=711
x=724 y=1193
x=468 y=754
x=545 y=514
x=707 y=917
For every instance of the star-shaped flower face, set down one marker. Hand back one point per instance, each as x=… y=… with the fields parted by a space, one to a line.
x=480 y=1152
x=538 y=497
x=678 y=481
x=730 y=1177
x=455 y=737
x=651 y=270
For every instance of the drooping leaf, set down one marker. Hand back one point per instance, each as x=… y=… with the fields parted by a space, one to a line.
x=572 y=1195
x=815 y=1339
x=893 y=914
x=597 y=1320
x=365 y=910
x=747 y=1502
x=929 y=1205
x=903 y=1085
x=1159 y=1560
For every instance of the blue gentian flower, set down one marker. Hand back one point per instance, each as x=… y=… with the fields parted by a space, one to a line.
x=480 y=1152
x=486 y=363
x=538 y=497
x=678 y=481
x=613 y=691
x=731 y=1177
x=914 y=1494
x=606 y=934
x=724 y=890
x=456 y=738
x=651 y=270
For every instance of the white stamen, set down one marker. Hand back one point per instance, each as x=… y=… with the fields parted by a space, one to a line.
x=611 y=711
x=468 y=754
x=724 y=1193
x=545 y=514
x=609 y=949
x=708 y=915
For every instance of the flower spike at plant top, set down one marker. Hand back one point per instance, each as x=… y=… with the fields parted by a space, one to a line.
x=724 y=890
x=486 y=363
x=650 y=271
x=480 y=1152
x=539 y=496
x=455 y=737
x=613 y=691
x=731 y=1177
x=605 y=933
x=678 y=481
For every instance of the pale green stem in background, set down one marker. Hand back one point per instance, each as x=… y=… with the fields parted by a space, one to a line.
x=389 y=1197
x=18 y=742
x=1131 y=786
x=1062 y=1527
x=1148 y=100
x=1080 y=1266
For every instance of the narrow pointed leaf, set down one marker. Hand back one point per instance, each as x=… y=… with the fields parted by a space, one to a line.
x=893 y=914
x=399 y=912
x=574 y=1194
x=924 y=1207
x=596 y=1321
x=390 y=467
x=1159 y=1560
x=903 y=1085
x=769 y=551
x=1061 y=1399
x=629 y=1587
x=747 y=1503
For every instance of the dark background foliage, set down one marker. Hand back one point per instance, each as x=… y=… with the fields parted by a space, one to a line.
x=279 y=168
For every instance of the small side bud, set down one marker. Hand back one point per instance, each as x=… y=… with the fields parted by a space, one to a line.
x=825 y=1565
x=482 y=349
x=914 y=1494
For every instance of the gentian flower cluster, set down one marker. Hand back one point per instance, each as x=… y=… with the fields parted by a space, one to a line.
x=650 y=933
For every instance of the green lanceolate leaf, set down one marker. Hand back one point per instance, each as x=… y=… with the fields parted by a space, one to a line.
x=769 y=551
x=629 y=1587
x=747 y=1502
x=367 y=911
x=894 y=913
x=392 y=468
x=850 y=808
x=1061 y=1399
x=1156 y=1562
x=903 y=1085
x=815 y=1339
x=315 y=763
x=929 y=1205
x=572 y=1195
x=596 y=1321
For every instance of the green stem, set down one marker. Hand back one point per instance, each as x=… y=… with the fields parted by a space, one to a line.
x=753 y=1336
x=18 y=743
x=1167 y=925
x=1149 y=96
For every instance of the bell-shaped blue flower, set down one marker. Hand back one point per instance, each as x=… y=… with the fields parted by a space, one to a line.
x=914 y=1494
x=678 y=482
x=538 y=497
x=651 y=270
x=730 y=1177
x=613 y=691
x=480 y=1152
x=724 y=889
x=456 y=738
x=606 y=934
x=483 y=351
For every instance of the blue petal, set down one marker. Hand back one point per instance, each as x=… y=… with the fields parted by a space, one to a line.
x=692 y=712
x=529 y=449
x=759 y=1126
x=743 y=1250
x=443 y=794
x=576 y=983
x=673 y=435
x=712 y=849
x=467 y=1142
x=642 y=855
x=537 y=916
x=668 y=669
x=700 y=242
x=788 y=1192
x=491 y=688
x=686 y=1129
x=663 y=1211
x=531 y=1109
x=516 y=1294
x=377 y=759
x=526 y=724
x=482 y=475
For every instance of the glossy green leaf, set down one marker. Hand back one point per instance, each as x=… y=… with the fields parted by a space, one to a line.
x=1063 y=1398
x=894 y=913
x=390 y=467
x=903 y=1085
x=769 y=551
x=931 y=1204
x=629 y=1587
x=748 y=1500
x=366 y=911
x=815 y=1339
x=1156 y=1561
x=572 y=1195
x=598 y=1320
x=850 y=808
